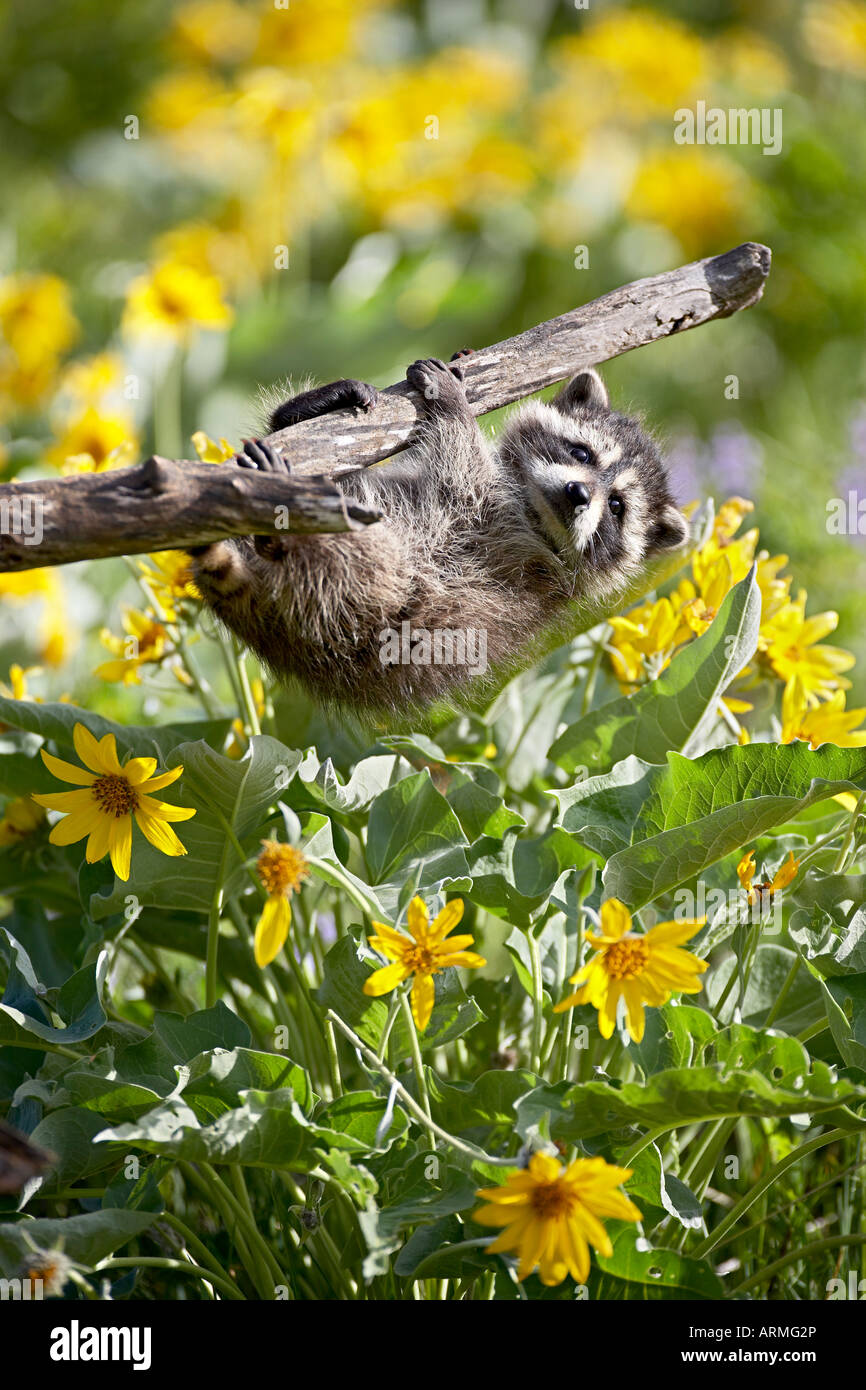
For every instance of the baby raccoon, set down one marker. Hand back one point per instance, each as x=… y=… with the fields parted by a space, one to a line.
x=487 y=545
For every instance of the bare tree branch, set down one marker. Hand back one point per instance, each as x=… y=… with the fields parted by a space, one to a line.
x=164 y=504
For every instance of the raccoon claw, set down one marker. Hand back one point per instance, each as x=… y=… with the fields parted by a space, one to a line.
x=455 y=356
x=361 y=395
x=263 y=457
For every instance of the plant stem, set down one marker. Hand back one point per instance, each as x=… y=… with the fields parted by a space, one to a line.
x=209 y=1276
x=805 y=1253
x=246 y=691
x=537 y=1003
x=720 y=1234
x=849 y=834
x=783 y=992
x=333 y=1059
x=411 y=1103
x=418 y=1064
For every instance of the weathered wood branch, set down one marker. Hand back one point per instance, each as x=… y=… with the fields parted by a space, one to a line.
x=165 y=504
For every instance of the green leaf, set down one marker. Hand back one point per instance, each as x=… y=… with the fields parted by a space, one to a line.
x=659 y=1273
x=216 y=1078
x=69 y=1134
x=775 y=1078
x=153 y=1061
x=78 y=1002
x=267 y=1129
x=56 y=721
x=675 y=711
x=83 y=1239
x=318 y=785
x=661 y=826
x=414 y=840
x=472 y=790
x=830 y=948
x=514 y=877
x=488 y=1100
x=845 y=997
x=427 y=1188
x=444 y=1251
x=675 y=1037
x=650 y=1185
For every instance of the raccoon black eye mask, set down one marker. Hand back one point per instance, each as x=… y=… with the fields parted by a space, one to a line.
x=481 y=547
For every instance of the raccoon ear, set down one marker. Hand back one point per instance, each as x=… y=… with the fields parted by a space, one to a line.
x=586 y=391
x=670 y=530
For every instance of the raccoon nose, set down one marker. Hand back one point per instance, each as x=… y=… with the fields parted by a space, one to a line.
x=578 y=494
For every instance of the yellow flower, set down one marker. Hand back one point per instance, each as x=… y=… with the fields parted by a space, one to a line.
x=93 y=442
x=90 y=380
x=216 y=30
x=639 y=969
x=36 y=327
x=782 y=877
x=835 y=34
x=20 y=819
x=826 y=723
x=794 y=648
x=145 y=642
x=422 y=954
x=108 y=799
x=17 y=687
x=699 y=196
x=211 y=452
x=553 y=1214
x=184 y=96
x=715 y=579
x=635 y=62
x=282 y=869
x=312 y=32
x=168 y=575
x=174 y=298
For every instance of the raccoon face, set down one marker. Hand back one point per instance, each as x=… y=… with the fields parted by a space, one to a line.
x=594 y=483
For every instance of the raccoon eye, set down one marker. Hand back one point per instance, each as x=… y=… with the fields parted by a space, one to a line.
x=617 y=506
x=580 y=453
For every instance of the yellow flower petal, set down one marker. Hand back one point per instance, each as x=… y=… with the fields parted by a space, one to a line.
x=120 y=846
x=162 y=810
x=447 y=919
x=417 y=917
x=67 y=772
x=137 y=770
x=160 y=835
x=384 y=980
x=88 y=749
x=615 y=918
x=272 y=929
x=423 y=995
x=165 y=779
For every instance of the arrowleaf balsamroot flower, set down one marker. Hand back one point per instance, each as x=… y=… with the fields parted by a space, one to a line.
x=422 y=954
x=784 y=875
x=281 y=869
x=552 y=1214
x=641 y=969
x=108 y=799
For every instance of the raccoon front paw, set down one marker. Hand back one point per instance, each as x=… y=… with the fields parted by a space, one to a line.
x=359 y=394
x=438 y=383
x=263 y=457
